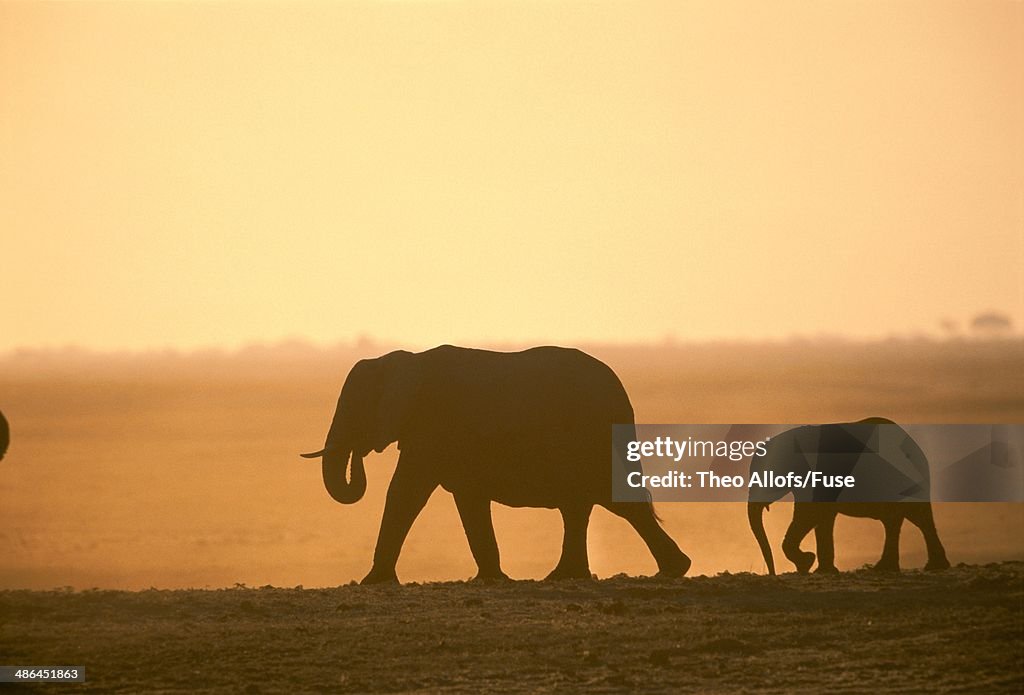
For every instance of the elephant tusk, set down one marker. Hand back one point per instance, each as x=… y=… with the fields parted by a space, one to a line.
x=315 y=454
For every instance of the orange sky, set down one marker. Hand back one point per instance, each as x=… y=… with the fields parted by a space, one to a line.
x=183 y=174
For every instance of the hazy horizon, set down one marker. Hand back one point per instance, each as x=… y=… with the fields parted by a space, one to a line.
x=373 y=343
x=183 y=470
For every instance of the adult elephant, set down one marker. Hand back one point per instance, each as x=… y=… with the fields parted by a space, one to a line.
x=526 y=429
x=887 y=465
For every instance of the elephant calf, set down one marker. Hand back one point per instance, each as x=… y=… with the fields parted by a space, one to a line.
x=526 y=429
x=835 y=450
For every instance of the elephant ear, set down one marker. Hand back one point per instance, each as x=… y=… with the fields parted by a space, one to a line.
x=400 y=386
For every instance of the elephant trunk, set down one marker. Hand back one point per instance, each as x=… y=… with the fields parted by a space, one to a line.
x=342 y=487
x=755 y=514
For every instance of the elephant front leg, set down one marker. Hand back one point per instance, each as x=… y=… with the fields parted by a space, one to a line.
x=407 y=495
x=475 y=513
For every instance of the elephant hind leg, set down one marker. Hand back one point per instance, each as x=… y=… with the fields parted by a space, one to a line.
x=920 y=515
x=574 y=563
x=824 y=536
x=672 y=562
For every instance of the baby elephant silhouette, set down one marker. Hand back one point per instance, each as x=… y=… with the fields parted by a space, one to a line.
x=899 y=472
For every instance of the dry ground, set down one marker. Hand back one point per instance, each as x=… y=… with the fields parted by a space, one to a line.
x=956 y=631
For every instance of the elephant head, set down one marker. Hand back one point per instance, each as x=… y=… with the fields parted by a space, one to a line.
x=782 y=456
x=371 y=411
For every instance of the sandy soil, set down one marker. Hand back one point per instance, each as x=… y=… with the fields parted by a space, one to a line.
x=956 y=631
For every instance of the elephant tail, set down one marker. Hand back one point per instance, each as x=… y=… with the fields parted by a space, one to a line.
x=654 y=512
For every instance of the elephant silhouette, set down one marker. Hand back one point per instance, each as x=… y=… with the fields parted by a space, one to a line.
x=524 y=429
x=890 y=464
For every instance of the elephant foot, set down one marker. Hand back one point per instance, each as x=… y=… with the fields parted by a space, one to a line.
x=802 y=560
x=678 y=568
x=937 y=565
x=568 y=573
x=827 y=569
x=883 y=566
x=380 y=577
x=492 y=576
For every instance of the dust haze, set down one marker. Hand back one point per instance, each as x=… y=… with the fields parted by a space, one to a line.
x=175 y=470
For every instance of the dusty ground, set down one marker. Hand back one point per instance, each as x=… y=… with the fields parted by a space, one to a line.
x=955 y=631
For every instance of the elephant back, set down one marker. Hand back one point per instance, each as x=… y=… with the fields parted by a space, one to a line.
x=886 y=462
